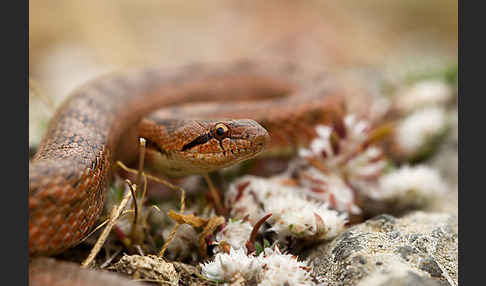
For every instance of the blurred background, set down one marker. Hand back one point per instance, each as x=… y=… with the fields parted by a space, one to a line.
x=73 y=41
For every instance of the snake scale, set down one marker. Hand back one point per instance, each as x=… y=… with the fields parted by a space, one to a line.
x=101 y=121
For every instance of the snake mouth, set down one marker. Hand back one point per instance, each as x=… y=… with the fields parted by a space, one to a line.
x=154 y=147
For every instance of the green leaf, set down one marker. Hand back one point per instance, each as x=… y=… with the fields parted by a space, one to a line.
x=258 y=248
x=266 y=243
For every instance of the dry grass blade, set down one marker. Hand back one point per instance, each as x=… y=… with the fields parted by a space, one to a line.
x=169 y=239
x=95 y=229
x=102 y=224
x=115 y=214
x=189 y=219
x=133 y=189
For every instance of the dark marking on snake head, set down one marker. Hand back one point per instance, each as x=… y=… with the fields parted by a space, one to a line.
x=222 y=147
x=198 y=141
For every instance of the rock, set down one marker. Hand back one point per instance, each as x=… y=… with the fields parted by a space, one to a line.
x=148 y=267
x=397 y=276
x=418 y=249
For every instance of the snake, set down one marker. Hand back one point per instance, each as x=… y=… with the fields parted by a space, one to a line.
x=240 y=110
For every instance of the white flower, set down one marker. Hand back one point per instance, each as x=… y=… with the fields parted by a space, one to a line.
x=235 y=233
x=292 y=213
x=268 y=269
x=345 y=164
x=246 y=196
x=284 y=269
x=295 y=216
x=424 y=93
x=366 y=164
x=411 y=185
x=356 y=132
x=417 y=130
x=356 y=129
x=318 y=146
x=226 y=266
x=330 y=188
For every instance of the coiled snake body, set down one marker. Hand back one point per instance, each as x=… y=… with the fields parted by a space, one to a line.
x=101 y=121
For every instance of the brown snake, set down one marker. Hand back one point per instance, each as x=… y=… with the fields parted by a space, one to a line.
x=101 y=121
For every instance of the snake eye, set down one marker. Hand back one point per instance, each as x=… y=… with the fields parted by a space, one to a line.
x=220 y=131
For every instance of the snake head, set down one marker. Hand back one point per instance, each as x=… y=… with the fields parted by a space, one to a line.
x=181 y=147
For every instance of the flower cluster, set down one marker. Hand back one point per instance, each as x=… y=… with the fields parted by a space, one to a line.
x=419 y=130
x=284 y=269
x=269 y=268
x=235 y=233
x=297 y=217
x=292 y=214
x=411 y=186
x=423 y=94
x=338 y=163
x=422 y=118
x=226 y=266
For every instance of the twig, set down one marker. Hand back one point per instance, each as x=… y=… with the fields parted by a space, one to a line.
x=141 y=159
x=102 y=224
x=110 y=259
x=144 y=187
x=115 y=214
x=133 y=189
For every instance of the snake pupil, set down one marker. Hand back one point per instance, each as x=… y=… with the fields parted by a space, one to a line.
x=220 y=131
